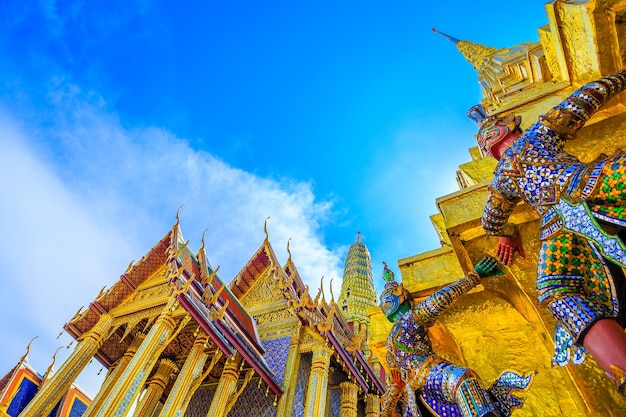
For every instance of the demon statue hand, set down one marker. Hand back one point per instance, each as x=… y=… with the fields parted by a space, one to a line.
x=444 y=388
x=578 y=258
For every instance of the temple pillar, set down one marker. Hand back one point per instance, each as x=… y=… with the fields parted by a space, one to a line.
x=226 y=387
x=318 y=381
x=127 y=387
x=192 y=368
x=285 y=404
x=60 y=383
x=349 y=399
x=154 y=388
x=372 y=405
x=113 y=375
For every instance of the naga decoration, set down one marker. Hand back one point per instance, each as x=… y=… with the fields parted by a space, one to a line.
x=417 y=372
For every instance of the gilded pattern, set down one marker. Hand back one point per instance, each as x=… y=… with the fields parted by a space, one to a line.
x=410 y=351
x=446 y=388
x=275 y=317
x=573 y=281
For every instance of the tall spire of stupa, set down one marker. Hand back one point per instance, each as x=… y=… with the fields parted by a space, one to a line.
x=357 y=290
x=475 y=53
x=506 y=74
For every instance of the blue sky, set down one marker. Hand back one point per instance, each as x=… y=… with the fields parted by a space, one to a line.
x=328 y=117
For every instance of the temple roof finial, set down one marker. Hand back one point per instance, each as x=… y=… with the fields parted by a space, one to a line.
x=202 y=240
x=50 y=369
x=267 y=236
x=25 y=357
x=358 y=237
x=178 y=215
x=288 y=248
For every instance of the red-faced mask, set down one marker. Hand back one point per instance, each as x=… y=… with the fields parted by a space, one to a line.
x=494 y=130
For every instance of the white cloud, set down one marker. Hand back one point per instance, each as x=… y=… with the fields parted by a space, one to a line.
x=84 y=197
x=54 y=256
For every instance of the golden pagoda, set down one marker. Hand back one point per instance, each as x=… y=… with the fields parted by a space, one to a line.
x=358 y=295
x=357 y=288
x=498 y=325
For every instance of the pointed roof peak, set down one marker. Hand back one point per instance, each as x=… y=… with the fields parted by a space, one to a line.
x=475 y=53
x=358 y=237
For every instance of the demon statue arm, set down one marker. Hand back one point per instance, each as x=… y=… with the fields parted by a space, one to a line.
x=571 y=114
x=445 y=388
x=427 y=311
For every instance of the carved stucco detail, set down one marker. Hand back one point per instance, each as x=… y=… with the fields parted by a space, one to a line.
x=275 y=317
x=265 y=292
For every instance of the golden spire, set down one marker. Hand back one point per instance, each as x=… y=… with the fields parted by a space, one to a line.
x=475 y=53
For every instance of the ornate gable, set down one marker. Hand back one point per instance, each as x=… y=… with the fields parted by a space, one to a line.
x=263 y=297
x=264 y=294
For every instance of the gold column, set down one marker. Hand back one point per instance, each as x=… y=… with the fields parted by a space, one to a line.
x=127 y=387
x=226 y=387
x=372 y=405
x=154 y=388
x=57 y=387
x=349 y=399
x=196 y=358
x=111 y=378
x=285 y=404
x=318 y=381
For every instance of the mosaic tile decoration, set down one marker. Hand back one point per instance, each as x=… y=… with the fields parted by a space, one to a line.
x=201 y=401
x=253 y=402
x=303 y=379
x=276 y=353
x=78 y=408
x=26 y=391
